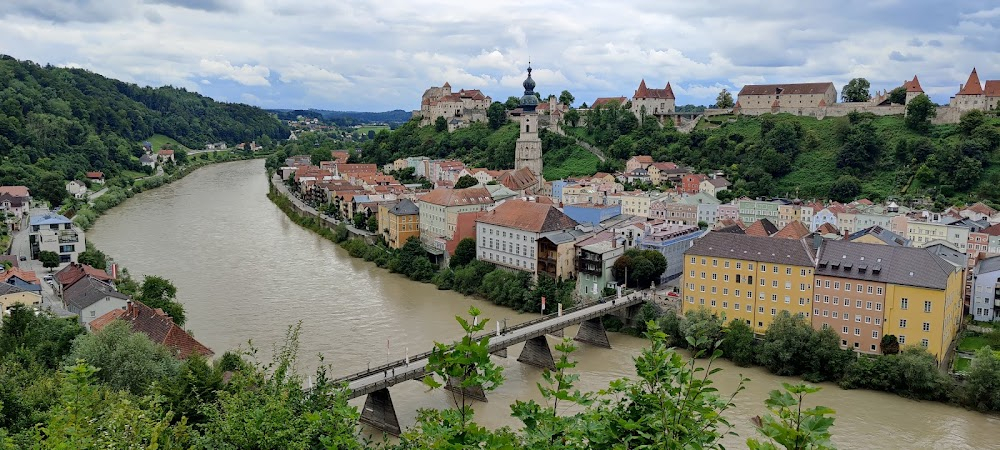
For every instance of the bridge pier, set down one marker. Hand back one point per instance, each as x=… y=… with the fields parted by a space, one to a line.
x=536 y=353
x=592 y=332
x=501 y=353
x=474 y=392
x=379 y=412
x=558 y=333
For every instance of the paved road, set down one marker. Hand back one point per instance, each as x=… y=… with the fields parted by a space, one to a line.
x=93 y=196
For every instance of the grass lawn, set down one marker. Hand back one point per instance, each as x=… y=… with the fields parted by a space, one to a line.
x=133 y=174
x=573 y=161
x=158 y=141
x=974 y=341
x=962 y=364
x=367 y=128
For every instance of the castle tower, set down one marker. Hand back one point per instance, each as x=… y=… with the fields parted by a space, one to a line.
x=528 y=150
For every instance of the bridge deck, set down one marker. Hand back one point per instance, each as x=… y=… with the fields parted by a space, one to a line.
x=396 y=372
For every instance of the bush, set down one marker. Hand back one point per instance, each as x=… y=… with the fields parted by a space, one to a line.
x=701 y=331
x=738 y=343
x=912 y=373
x=792 y=347
x=982 y=387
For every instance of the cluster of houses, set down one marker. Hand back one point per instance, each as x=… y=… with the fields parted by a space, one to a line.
x=15 y=204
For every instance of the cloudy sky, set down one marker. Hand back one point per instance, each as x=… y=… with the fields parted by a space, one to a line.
x=381 y=55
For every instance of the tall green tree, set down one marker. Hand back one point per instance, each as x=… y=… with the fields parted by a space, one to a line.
x=496 y=115
x=440 y=124
x=919 y=112
x=466 y=181
x=49 y=259
x=93 y=257
x=465 y=252
x=845 y=189
x=724 y=99
x=566 y=98
x=898 y=95
x=982 y=385
x=159 y=292
x=572 y=117
x=127 y=360
x=856 y=90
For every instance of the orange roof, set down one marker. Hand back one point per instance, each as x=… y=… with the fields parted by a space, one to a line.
x=972 y=85
x=340 y=156
x=827 y=228
x=644 y=159
x=762 y=227
x=644 y=92
x=528 y=216
x=157 y=325
x=794 y=230
x=913 y=85
x=166 y=152
x=518 y=180
x=458 y=197
x=26 y=275
x=14 y=191
x=992 y=88
x=606 y=100
x=95 y=174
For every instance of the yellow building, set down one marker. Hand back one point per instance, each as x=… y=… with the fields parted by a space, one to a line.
x=925 y=308
x=750 y=278
x=10 y=295
x=399 y=222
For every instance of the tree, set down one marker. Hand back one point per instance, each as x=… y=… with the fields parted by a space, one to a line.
x=49 y=259
x=898 y=95
x=970 y=121
x=566 y=98
x=127 y=360
x=845 y=189
x=572 y=117
x=982 y=385
x=440 y=124
x=856 y=90
x=466 y=181
x=159 y=292
x=919 y=112
x=791 y=426
x=642 y=267
x=51 y=187
x=496 y=115
x=197 y=383
x=701 y=331
x=889 y=344
x=319 y=155
x=724 y=99
x=372 y=224
x=512 y=102
x=465 y=252
x=861 y=147
x=738 y=343
x=359 y=220
x=94 y=258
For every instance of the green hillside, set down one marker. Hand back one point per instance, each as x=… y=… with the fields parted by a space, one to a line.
x=160 y=141
x=57 y=123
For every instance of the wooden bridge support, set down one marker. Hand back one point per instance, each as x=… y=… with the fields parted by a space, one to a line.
x=473 y=392
x=536 y=352
x=380 y=413
x=592 y=332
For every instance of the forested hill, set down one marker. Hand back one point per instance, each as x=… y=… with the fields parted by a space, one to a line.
x=60 y=122
x=346 y=118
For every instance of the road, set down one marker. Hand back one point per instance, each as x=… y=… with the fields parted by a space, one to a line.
x=93 y=196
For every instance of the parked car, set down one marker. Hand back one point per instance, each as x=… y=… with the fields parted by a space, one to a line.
x=24 y=258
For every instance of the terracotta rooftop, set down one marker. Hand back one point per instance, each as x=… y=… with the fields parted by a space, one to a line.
x=340 y=156
x=644 y=92
x=528 y=216
x=981 y=208
x=643 y=159
x=25 y=275
x=913 y=85
x=664 y=165
x=794 y=230
x=518 y=180
x=606 y=100
x=95 y=175
x=972 y=86
x=74 y=272
x=827 y=228
x=166 y=152
x=157 y=325
x=992 y=230
x=762 y=227
x=458 y=197
x=14 y=191
x=785 y=89
x=992 y=88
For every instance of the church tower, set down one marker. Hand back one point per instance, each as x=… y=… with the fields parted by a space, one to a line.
x=528 y=151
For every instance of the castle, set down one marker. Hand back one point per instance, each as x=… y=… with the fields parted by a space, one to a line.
x=458 y=108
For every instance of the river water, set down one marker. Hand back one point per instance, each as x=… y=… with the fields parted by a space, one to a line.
x=246 y=273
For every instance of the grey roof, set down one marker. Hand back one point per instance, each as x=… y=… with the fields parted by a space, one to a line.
x=907 y=266
x=991 y=264
x=752 y=248
x=405 y=207
x=882 y=234
x=7 y=288
x=147 y=158
x=563 y=237
x=49 y=218
x=949 y=253
x=88 y=291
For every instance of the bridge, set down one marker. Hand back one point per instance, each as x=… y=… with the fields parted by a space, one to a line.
x=375 y=382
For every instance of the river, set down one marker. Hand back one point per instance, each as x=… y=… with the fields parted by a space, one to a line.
x=245 y=272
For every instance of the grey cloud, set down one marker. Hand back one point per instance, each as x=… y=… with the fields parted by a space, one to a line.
x=88 y=11
x=915 y=43
x=203 y=5
x=935 y=43
x=895 y=55
x=153 y=16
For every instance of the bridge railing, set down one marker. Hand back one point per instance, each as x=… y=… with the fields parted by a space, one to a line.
x=419 y=356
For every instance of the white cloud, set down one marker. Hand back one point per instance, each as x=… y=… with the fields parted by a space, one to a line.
x=246 y=74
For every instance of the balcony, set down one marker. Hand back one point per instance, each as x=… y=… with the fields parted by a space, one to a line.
x=69 y=237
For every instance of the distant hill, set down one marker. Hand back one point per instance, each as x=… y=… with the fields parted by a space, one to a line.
x=346 y=118
x=57 y=123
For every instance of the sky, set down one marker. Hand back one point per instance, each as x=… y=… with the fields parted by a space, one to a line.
x=381 y=55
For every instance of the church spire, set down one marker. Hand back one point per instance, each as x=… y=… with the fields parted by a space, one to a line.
x=529 y=101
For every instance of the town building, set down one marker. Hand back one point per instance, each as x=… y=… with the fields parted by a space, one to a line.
x=95 y=177
x=913 y=89
x=24 y=279
x=166 y=155
x=557 y=254
x=528 y=148
x=749 y=278
x=985 y=302
x=691 y=183
x=55 y=233
x=399 y=222
x=907 y=292
x=16 y=202
x=664 y=172
x=971 y=95
x=591 y=214
x=76 y=189
x=712 y=186
x=595 y=257
x=156 y=325
x=464 y=106
x=508 y=235
x=878 y=235
x=791 y=95
x=670 y=240
x=74 y=272
x=753 y=210
x=11 y=295
x=439 y=211
x=638 y=162
x=91 y=298
x=653 y=102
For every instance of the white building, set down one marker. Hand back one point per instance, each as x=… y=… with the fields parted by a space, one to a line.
x=91 y=298
x=985 y=304
x=55 y=233
x=440 y=208
x=77 y=189
x=508 y=235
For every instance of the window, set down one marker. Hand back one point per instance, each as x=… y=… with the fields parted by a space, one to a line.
x=878 y=321
x=703 y=261
x=859 y=287
x=749 y=308
x=924 y=343
x=715 y=276
x=826 y=299
x=725 y=304
x=879 y=290
x=878 y=306
x=788 y=271
x=749 y=294
x=819 y=283
x=927 y=306
x=725 y=291
x=802 y=272
x=713 y=289
x=726 y=265
x=857 y=331
x=750 y=266
x=826 y=313
x=857 y=304
x=736 y=292
x=835 y=314
x=927 y=326
x=868 y=319
x=847 y=316
x=904 y=303
x=774 y=283
x=93 y=313
x=702 y=301
x=736 y=306
x=725 y=278
x=738 y=278
x=760 y=309
x=836 y=301
x=902 y=323
x=703 y=275
x=847 y=286
x=788 y=299
x=802 y=286
x=836 y=285
x=713 y=303
x=702 y=288
x=868 y=305
x=802 y=301
x=902 y=339
x=693 y=259
x=774 y=297
x=67 y=248
x=845 y=331
x=815 y=311
x=871 y=289
x=826 y=283
x=874 y=335
x=715 y=263
x=739 y=265
x=763 y=268
x=773 y=311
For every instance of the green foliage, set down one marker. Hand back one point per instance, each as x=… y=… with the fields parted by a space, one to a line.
x=566 y=98
x=197 y=383
x=792 y=347
x=889 y=344
x=911 y=373
x=643 y=267
x=724 y=99
x=42 y=339
x=845 y=189
x=93 y=257
x=440 y=124
x=856 y=90
x=49 y=259
x=919 y=112
x=738 y=343
x=982 y=384
x=465 y=181
x=700 y=331
x=465 y=252
x=496 y=115
x=159 y=292
x=572 y=117
x=372 y=224
x=791 y=426
x=127 y=360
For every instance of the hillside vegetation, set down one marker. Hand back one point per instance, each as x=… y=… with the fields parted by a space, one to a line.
x=57 y=123
x=860 y=155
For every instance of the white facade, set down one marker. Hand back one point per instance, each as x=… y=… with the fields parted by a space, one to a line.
x=56 y=233
x=708 y=213
x=100 y=308
x=508 y=247
x=77 y=189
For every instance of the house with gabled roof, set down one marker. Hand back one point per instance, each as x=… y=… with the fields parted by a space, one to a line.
x=439 y=209
x=11 y=295
x=157 y=326
x=508 y=235
x=652 y=102
x=91 y=298
x=24 y=279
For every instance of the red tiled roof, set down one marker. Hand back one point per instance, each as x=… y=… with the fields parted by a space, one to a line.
x=14 y=191
x=528 y=216
x=785 y=89
x=158 y=326
x=166 y=152
x=644 y=92
x=518 y=180
x=827 y=228
x=643 y=159
x=26 y=275
x=339 y=156
x=458 y=197
x=913 y=85
x=794 y=230
x=992 y=230
x=97 y=175
x=664 y=165
x=606 y=100
x=992 y=88
x=762 y=227
x=74 y=272
x=981 y=208
x=972 y=86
